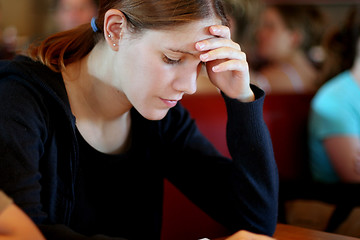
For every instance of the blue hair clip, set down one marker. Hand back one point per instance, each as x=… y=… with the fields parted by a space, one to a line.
x=93 y=25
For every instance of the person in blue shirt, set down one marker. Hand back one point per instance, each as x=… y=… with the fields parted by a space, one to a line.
x=334 y=123
x=335 y=130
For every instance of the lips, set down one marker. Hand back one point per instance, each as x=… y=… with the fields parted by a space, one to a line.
x=169 y=102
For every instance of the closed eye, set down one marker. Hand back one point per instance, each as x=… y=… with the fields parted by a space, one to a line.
x=170 y=61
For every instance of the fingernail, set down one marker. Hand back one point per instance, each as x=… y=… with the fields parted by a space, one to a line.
x=215 y=29
x=203 y=57
x=215 y=68
x=200 y=45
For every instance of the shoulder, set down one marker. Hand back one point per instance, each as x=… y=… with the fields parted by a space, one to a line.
x=25 y=68
x=17 y=84
x=29 y=88
x=23 y=72
x=277 y=78
x=20 y=65
x=334 y=92
x=334 y=104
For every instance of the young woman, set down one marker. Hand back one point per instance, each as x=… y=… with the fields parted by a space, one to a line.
x=91 y=125
x=285 y=37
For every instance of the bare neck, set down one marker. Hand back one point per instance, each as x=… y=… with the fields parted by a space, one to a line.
x=91 y=97
x=101 y=111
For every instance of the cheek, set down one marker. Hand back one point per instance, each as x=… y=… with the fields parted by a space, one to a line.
x=152 y=75
x=283 y=44
x=266 y=41
x=139 y=71
x=265 y=36
x=274 y=44
x=148 y=81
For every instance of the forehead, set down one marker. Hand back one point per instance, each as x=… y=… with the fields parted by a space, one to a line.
x=184 y=36
x=273 y=17
x=273 y=14
x=74 y=2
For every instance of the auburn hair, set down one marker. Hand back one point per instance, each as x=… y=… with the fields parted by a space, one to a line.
x=63 y=48
x=341 y=45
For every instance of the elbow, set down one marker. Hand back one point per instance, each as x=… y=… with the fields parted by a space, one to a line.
x=352 y=174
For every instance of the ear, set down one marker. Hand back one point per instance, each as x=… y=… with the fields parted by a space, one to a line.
x=115 y=24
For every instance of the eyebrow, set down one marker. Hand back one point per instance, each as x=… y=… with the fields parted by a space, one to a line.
x=184 y=52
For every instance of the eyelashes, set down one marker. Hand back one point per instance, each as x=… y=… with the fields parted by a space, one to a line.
x=170 y=61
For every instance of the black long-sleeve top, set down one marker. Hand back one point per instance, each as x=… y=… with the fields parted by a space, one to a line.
x=72 y=191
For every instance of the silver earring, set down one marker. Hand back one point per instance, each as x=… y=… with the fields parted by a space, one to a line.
x=114 y=44
x=109 y=36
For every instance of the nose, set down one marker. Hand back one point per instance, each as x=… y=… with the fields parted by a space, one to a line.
x=186 y=81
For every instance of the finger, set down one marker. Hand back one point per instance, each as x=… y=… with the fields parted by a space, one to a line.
x=220 y=31
x=213 y=43
x=245 y=235
x=222 y=53
x=231 y=65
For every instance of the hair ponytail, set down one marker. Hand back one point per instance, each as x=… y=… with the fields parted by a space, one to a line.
x=63 y=48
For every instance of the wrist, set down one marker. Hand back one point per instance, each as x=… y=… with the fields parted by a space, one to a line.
x=247 y=97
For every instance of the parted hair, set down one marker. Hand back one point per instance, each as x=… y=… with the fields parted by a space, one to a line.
x=63 y=48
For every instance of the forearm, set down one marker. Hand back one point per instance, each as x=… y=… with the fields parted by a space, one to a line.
x=344 y=153
x=251 y=149
x=240 y=193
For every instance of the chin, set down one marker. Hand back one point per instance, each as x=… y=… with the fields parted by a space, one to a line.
x=155 y=114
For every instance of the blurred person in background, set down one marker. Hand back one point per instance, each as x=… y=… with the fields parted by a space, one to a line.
x=72 y=13
x=334 y=125
x=243 y=18
x=335 y=117
x=286 y=36
x=8 y=41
